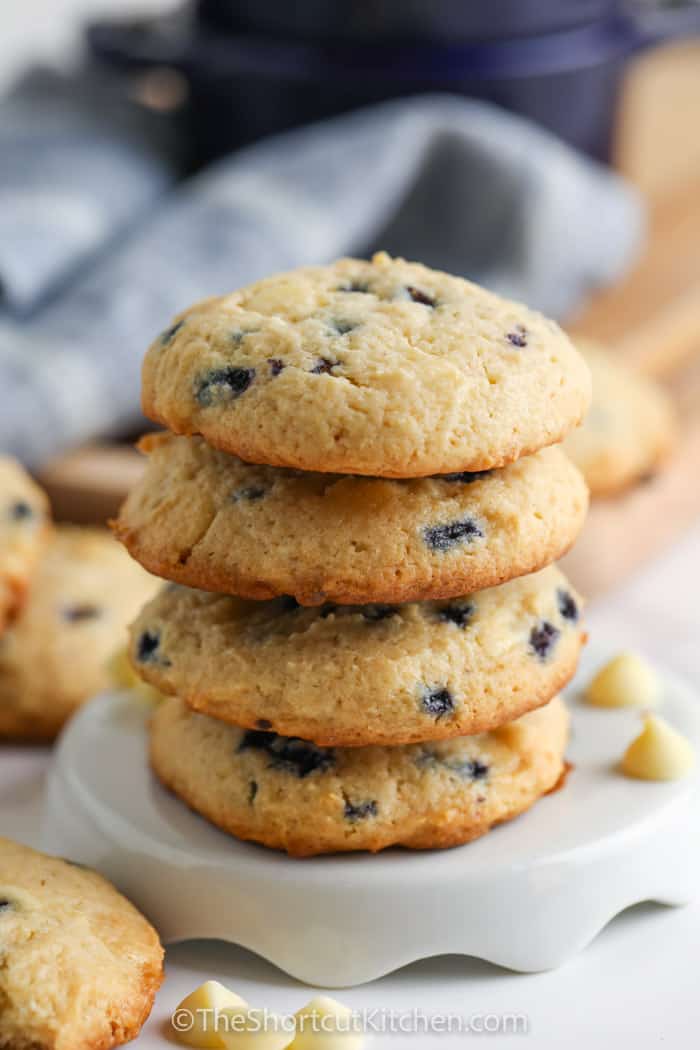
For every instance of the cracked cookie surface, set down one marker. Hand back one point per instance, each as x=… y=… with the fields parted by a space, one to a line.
x=372 y=674
x=206 y=519
x=291 y=795
x=79 y=965
x=382 y=368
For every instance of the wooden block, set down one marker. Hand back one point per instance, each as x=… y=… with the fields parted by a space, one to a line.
x=624 y=532
x=652 y=317
x=658 y=141
x=89 y=484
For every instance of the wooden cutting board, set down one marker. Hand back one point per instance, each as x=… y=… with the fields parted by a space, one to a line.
x=652 y=319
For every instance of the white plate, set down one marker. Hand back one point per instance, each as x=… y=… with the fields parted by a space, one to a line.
x=528 y=895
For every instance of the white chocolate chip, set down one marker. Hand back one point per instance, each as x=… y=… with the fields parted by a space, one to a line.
x=194 y=1020
x=123 y=676
x=214 y=1017
x=626 y=681
x=326 y=1024
x=660 y=752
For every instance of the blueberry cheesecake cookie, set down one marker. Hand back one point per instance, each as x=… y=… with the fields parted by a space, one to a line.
x=207 y=519
x=55 y=656
x=292 y=795
x=24 y=526
x=629 y=430
x=79 y=965
x=383 y=368
x=370 y=674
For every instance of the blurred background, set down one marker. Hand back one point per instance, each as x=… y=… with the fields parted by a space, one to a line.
x=155 y=152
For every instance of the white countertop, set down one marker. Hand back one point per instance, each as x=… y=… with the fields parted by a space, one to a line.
x=635 y=985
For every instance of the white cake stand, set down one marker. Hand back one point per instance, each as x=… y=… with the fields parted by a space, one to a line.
x=527 y=896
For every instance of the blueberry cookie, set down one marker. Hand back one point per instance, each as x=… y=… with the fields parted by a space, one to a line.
x=54 y=657
x=291 y=795
x=371 y=674
x=209 y=520
x=24 y=518
x=384 y=368
x=79 y=965
x=629 y=430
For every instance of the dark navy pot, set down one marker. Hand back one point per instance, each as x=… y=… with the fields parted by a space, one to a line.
x=255 y=67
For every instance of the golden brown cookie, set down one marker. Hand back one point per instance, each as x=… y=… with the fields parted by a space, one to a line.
x=291 y=795
x=208 y=520
x=79 y=965
x=24 y=527
x=383 y=368
x=629 y=430
x=372 y=674
x=55 y=656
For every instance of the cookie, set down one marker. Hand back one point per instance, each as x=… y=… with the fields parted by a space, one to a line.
x=55 y=656
x=209 y=520
x=383 y=368
x=24 y=526
x=372 y=674
x=629 y=430
x=292 y=795
x=79 y=965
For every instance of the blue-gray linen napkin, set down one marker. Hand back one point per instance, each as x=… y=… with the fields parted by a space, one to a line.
x=457 y=184
x=79 y=162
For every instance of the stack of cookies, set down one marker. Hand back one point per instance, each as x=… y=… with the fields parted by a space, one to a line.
x=361 y=499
